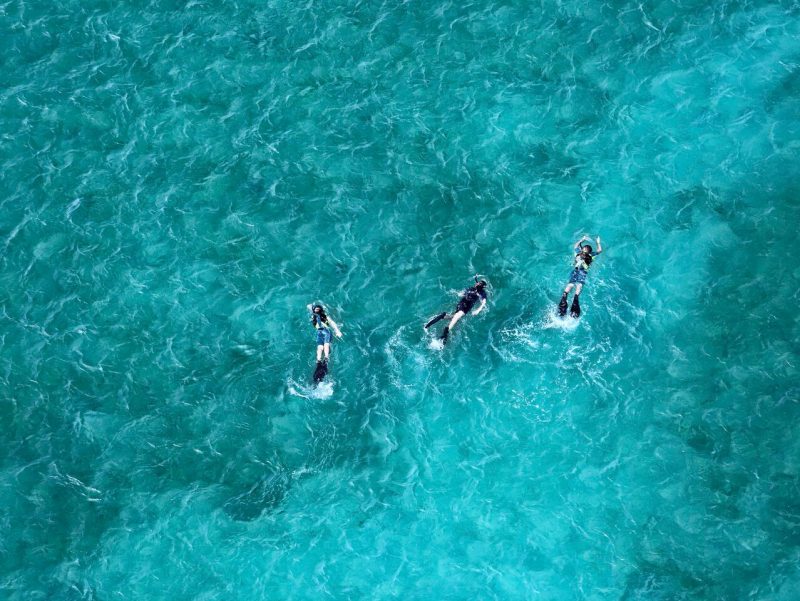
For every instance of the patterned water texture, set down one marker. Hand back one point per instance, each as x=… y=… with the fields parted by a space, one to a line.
x=181 y=178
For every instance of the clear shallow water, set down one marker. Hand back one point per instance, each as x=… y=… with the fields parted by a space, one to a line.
x=180 y=179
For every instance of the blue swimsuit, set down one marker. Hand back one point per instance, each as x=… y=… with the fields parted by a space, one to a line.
x=578 y=275
x=324 y=335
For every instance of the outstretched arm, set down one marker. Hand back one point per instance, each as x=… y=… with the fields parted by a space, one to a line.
x=336 y=329
x=479 y=309
x=599 y=247
x=579 y=242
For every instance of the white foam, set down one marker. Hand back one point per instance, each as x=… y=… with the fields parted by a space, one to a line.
x=436 y=344
x=323 y=390
x=298 y=390
x=552 y=320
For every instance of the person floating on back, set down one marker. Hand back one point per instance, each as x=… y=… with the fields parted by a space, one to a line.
x=468 y=299
x=323 y=326
x=583 y=260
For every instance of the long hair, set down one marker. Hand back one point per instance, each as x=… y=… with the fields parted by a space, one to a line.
x=586 y=255
x=322 y=316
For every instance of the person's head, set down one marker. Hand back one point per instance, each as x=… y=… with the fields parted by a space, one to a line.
x=480 y=285
x=317 y=309
x=587 y=250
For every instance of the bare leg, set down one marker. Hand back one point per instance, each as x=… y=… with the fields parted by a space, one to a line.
x=319 y=352
x=578 y=289
x=569 y=287
x=327 y=351
x=446 y=332
x=454 y=320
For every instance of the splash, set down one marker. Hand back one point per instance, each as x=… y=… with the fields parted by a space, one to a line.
x=323 y=390
x=436 y=344
x=553 y=321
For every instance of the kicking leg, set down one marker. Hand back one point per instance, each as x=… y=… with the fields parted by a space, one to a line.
x=562 y=304
x=454 y=320
x=319 y=352
x=575 y=309
x=327 y=351
x=446 y=332
x=435 y=319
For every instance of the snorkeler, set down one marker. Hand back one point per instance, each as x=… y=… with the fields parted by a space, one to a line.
x=584 y=255
x=468 y=299
x=323 y=325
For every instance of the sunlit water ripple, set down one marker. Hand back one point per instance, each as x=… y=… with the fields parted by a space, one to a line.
x=180 y=179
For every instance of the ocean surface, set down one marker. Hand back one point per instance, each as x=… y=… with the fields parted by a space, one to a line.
x=180 y=179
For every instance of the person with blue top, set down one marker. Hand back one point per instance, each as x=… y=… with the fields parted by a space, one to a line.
x=584 y=255
x=325 y=328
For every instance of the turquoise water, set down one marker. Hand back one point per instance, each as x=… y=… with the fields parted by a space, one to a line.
x=179 y=179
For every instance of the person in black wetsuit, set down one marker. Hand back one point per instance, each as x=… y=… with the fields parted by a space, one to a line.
x=468 y=300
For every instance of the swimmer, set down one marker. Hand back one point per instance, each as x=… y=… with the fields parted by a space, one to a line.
x=469 y=298
x=584 y=255
x=325 y=328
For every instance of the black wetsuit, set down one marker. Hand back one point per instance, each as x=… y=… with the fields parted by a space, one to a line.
x=465 y=304
x=469 y=298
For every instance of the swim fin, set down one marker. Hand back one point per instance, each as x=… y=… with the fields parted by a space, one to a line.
x=562 y=306
x=320 y=371
x=439 y=317
x=575 y=309
x=445 y=334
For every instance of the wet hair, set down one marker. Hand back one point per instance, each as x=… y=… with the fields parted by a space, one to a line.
x=586 y=254
x=322 y=316
x=480 y=285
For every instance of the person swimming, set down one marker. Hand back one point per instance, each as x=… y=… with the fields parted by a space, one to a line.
x=325 y=327
x=584 y=255
x=469 y=298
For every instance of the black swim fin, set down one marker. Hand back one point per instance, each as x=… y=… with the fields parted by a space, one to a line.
x=439 y=317
x=320 y=371
x=445 y=334
x=562 y=306
x=575 y=309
